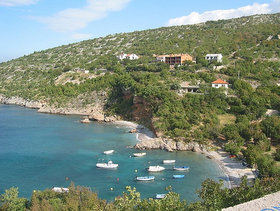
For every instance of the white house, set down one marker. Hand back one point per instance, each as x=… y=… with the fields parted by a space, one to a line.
x=128 y=56
x=220 y=83
x=214 y=57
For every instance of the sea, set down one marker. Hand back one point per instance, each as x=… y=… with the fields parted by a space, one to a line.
x=40 y=151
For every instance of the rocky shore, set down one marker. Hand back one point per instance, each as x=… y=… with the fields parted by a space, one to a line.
x=93 y=112
x=232 y=168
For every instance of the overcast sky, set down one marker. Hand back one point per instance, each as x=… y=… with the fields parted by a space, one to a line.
x=33 y=25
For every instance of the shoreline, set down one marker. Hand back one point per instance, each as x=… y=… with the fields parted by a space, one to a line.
x=231 y=167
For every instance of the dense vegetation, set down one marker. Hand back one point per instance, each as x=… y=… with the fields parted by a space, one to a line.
x=213 y=196
x=235 y=121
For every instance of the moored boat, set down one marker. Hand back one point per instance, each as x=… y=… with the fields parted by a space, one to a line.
x=139 y=154
x=181 y=168
x=108 y=152
x=178 y=176
x=109 y=165
x=168 y=161
x=60 y=190
x=160 y=195
x=146 y=178
x=155 y=168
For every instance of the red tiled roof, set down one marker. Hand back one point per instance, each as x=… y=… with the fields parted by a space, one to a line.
x=219 y=81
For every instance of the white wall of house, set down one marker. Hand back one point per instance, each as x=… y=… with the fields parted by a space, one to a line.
x=127 y=56
x=132 y=56
x=161 y=58
x=214 y=57
x=220 y=85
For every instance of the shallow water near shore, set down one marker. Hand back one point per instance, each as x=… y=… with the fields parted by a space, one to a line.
x=38 y=151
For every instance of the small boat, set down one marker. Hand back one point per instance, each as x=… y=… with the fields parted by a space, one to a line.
x=108 y=152
x=109 y=165
x=182 y=168
x=155 y=168
x=147 y=178
x=160 y=195
x=168 y=161
x=178 y=176
x=140 y=154
x=60 y=190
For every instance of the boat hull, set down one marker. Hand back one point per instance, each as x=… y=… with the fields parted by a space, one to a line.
x=108 y=152
x=184 y=168
x=107 y=165
x=139 y=154
x=178 y=176
x=168 y=161
x=160 y=196
x=150 y=178
x=155 y=168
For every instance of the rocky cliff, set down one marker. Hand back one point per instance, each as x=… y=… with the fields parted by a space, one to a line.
x=169 y=145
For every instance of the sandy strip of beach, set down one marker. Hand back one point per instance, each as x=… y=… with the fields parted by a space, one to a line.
x=232 y=167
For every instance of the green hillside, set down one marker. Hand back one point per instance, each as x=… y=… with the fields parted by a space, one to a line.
x=236 y=121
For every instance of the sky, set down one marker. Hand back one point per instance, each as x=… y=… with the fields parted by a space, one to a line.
x=34 y=25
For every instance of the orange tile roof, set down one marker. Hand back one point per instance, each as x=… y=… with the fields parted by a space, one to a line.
x=219 y=81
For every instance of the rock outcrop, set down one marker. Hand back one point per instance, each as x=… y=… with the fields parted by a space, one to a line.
x=21 y=102
x=169 y=145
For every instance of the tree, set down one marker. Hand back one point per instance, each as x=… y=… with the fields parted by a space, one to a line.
x=251 y=154
x=277 y=154
x=11 y=201
x=267 y=166
x=271 y=127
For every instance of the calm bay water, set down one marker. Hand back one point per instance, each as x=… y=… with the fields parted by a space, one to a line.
x=37 y=151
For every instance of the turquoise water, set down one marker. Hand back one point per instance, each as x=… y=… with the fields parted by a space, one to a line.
x=37 y=151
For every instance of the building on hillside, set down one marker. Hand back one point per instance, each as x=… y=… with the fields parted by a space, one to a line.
x=186 y=87
x=128 y=56
x=173 y=59
x=219 y=83
x=160 y=58
x=214 y=57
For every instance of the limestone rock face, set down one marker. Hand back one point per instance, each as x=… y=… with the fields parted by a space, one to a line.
x=97 y=116
x=21 y=102
x=168 y=145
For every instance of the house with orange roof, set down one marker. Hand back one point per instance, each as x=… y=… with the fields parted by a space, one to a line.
x=219 y=83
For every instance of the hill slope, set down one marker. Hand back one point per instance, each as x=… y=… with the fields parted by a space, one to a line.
x=250 y=46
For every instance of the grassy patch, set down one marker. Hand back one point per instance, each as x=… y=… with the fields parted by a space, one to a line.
x=226 y=119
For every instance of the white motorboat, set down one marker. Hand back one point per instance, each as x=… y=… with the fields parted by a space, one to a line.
x=168 y=161
x=147 y=178
x=108 y=152
x=160 y=195
x=140 y=154
x=109 y=165
x=155 y=168
x=60 y=190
